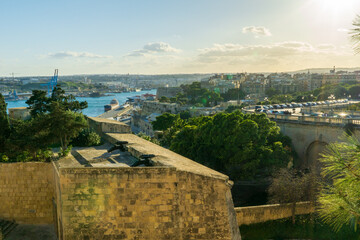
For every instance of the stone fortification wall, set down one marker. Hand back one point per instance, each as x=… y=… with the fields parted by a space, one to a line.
x=263 y=213
x=150 y=107
x=101 y=125
x=168 y=92
x=20 y=113
x=175 y=199
x=143 y=203
x=26 y=192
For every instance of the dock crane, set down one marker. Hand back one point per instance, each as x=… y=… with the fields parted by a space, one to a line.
x=52 y=84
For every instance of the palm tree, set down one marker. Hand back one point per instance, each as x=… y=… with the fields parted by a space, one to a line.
x=355 y=34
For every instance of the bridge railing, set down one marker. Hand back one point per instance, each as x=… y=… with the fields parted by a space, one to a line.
x=311 y=119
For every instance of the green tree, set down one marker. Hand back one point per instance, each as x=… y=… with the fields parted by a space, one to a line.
x=354 y=91
x=39 y=103
x=233 y=94
x=164 y=121
x=303 y=187
x=340 y=92
x=164 y=99
x=62 y=125
x=271 y=92
x=340 y=195
x=237 y=144
x=4 y=124
x=233 y=108
x=86 y=138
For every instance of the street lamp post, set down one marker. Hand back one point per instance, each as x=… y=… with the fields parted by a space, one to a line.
x=331 y=97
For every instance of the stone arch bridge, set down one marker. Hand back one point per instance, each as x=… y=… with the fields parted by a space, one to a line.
x=310 y=135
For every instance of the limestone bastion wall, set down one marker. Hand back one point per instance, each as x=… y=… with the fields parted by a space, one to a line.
x=26 y=192
x=101 y=126
x=142 y=203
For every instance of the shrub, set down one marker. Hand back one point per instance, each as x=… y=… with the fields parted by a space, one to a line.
x=87 y=138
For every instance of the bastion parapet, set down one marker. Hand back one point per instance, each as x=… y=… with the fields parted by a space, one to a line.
x=96 y=194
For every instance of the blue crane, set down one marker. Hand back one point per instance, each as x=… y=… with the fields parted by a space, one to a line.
x=52 y=84
x=13 y=95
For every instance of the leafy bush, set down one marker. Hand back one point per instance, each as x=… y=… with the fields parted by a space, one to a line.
x=65 y=152
x=148 y=138
x=87 y=138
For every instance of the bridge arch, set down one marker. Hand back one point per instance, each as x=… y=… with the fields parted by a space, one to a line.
x=312 y=155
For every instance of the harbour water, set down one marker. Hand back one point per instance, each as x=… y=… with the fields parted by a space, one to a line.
x=95 y=105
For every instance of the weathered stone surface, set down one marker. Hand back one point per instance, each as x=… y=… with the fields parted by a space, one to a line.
x=263 y=213
x=142 y=203
x=101 y=125
x=175 y=199
x=26 y=192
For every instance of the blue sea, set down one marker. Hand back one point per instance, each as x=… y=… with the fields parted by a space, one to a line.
x=95 y=105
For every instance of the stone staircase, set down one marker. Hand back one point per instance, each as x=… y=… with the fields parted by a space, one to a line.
x=6 y=227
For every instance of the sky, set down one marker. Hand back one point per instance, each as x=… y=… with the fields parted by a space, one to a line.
x=179 y=36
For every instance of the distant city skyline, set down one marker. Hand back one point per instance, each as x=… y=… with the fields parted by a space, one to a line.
x=169 y=37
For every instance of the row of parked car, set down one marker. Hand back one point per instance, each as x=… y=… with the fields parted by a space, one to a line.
x=296 y=105
x=286 y=112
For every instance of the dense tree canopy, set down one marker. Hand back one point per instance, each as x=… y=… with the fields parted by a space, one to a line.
x=233 y=94
x=164 y=121
x=241 y=145
x=271 y=92
x=39 y=103
x=55 y=120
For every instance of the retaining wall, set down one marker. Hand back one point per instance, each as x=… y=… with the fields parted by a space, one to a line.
x=263 y=213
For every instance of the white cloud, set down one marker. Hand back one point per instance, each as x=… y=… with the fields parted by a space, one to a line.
x=69 y=54
x=153 y=48
x=281 y=56
x=326 y=46
x=257 y=31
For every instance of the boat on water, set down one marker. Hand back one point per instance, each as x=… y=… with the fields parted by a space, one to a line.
x=96 y=94
x=113 y=104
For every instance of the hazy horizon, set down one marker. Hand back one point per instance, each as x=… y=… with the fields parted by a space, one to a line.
x=167 y=37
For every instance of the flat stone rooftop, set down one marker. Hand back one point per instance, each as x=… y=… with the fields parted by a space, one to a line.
x=97 y=156
x=163 y=157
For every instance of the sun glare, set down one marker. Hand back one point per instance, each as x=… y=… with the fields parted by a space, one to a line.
x=335 y=6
